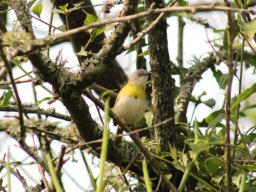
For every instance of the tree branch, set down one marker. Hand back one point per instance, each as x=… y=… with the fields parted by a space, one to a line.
x=162 y=82
x=76 y=19
x=40 y=43
x=36 y=110
x=187 y=85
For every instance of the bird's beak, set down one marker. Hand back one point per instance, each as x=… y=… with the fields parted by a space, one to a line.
x=148 y=73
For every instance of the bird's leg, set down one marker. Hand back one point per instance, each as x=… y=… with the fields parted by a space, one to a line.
x=136 y=134
x=118 y=139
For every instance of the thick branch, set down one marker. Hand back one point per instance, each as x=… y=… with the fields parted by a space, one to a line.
x=187 y=85
x=62 y=81
x=110 y=49
x=162 y=82
x=193 y=76
x=75 y=20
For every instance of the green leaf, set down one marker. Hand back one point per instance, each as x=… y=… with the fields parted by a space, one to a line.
x=215 y=118
x=210 y=102
x=102 y=95
x=64 y=8
x=250 y=61
x=248 y=29
x=5 y=87
x=249 y=167
x=173 y=152
x=212 y=165
x=5 y=98
x=90 y=18
x=149 y=118
x=239 y=3
x=243 y=3
x=244 y=95
x=247 y=2
x=223 y=81
x=42 y=100
x=82 y=52
x=75 y=7
x=182 y=2
x=58 y=11
x=30 y=3
x=216 y=73
x=221 y=78
x=146 y=52
x=197 y=148
x=38 y=9
x=96 y=32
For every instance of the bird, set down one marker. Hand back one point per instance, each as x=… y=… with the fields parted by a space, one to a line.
x=131 y=101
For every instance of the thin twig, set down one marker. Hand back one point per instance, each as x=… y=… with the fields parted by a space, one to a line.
x=60 y=162
x=98 y=111
x=16 y=82
x=21 y=179
x=159 y=184
x=50 y=25
x=36 y=110
x=211 y=45
x=237 y=129
x=50 y=28
x=149 y=28
x=126 y=169
x=41 y=169
x=17 y=97
x=180 y=58
x=98 y=88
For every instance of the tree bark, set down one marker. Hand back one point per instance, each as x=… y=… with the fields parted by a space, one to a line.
x=76 y=19
x=162 y=81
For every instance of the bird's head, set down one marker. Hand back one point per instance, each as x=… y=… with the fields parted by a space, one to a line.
x=139 y=77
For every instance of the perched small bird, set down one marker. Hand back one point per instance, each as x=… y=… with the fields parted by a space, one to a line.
x=130 y=103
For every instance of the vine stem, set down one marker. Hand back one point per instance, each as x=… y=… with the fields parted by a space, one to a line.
x=228 y=99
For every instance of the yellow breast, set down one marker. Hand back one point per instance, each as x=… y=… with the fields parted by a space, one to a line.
x=133 y=91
